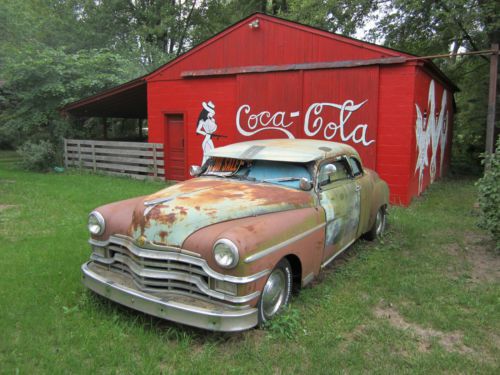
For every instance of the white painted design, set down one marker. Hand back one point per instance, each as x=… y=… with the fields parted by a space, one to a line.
x=315 y=120
x=431 y=129
x=262 y=121
x=206 y=127
x=331 y=129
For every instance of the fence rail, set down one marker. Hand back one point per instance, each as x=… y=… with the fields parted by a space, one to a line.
x=133 y=159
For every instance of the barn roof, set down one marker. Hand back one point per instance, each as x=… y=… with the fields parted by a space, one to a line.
x=129 y=100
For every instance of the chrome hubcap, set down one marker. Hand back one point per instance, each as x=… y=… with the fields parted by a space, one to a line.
x=274 y=292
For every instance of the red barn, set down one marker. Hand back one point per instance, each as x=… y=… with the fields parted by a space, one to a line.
x=266 y=77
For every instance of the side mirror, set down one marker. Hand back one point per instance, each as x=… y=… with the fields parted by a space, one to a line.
x=195 y=170
x=330 y=168
x=305 y=184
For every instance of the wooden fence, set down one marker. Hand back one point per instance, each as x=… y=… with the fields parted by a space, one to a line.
x=133 y=159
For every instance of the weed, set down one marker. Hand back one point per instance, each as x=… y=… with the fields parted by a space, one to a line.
x=287 y=324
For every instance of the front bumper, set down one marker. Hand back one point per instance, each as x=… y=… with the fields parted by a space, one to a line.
x=180 y=309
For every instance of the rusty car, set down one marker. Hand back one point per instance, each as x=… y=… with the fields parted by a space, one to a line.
x=225 y=250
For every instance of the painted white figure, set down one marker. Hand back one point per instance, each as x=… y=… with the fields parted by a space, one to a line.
x=206 y=127
x=431 y=129
x=422 y=141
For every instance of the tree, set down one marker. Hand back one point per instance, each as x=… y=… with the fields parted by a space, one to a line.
x=434 y=27
x=43 y=80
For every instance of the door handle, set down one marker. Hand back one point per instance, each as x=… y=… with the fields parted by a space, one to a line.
x=358 y=187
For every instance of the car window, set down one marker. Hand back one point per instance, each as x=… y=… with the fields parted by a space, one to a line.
x=328 y=175
x=356 y=168
x=267 y=171
x=280 y=173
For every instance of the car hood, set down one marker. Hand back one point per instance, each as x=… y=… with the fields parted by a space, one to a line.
x=169 y=216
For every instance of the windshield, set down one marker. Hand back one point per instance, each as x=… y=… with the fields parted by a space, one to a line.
x=274 y=172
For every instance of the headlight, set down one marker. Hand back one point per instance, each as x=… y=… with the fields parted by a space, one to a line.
x=96 y=223
x=226 y=253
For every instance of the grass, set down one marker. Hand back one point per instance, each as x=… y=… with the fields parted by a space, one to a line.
x=425 y=300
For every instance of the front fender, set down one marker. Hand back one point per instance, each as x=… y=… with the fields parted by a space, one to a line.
x=118 y=217
x=263 y=240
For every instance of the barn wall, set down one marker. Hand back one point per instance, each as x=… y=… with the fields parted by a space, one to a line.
x=432 y=123
x=339 y=105
x=395 y=130
x=275 y=42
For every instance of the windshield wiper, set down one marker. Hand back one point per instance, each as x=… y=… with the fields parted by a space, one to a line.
x=242 y=177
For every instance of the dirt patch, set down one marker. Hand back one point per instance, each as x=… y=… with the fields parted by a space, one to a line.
x=450 y=341
x=6 y=206
x=484 y=259
x=479 y=252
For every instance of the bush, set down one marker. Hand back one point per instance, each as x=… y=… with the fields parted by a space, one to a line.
x=489 y=195
x=37 y=156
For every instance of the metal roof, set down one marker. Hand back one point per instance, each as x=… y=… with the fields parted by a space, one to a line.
x=288 y=150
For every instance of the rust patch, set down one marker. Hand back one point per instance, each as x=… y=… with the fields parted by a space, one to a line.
x=251 y=228
x=163 y=234
x=182 y=210
x=233 y=190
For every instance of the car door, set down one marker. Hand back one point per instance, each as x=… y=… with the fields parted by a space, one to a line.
x=339 y=196
x=364 y=186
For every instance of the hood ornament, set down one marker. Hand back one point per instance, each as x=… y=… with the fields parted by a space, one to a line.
x=154 y=202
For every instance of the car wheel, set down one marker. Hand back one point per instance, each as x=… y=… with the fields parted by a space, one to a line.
x=276 y=292
x=378 y=228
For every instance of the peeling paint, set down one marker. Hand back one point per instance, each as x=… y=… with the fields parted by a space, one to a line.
x=204 y=201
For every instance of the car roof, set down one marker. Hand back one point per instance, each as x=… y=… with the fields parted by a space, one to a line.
x=287 y=150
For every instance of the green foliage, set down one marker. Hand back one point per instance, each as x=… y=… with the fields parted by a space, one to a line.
x=43 y=80
x=37 y=156
x=489 y=195
x=344 y=16
x=286 y=324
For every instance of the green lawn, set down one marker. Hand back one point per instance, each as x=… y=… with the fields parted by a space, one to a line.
x=425 y=300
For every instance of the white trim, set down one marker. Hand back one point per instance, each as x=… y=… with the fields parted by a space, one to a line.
x=326 y=263
x=279 y=246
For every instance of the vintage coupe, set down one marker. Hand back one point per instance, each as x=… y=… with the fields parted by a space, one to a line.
x=224 y=251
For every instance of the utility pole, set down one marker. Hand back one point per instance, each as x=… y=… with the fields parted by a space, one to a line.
x=492 y=100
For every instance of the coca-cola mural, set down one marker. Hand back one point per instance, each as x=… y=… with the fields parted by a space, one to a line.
x=318 y=122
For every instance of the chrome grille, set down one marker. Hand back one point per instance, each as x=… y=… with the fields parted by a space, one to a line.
x=153 y=274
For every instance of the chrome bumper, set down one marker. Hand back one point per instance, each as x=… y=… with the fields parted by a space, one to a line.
x=210 y=316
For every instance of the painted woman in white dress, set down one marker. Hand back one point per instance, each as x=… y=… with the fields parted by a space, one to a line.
x=207 y=127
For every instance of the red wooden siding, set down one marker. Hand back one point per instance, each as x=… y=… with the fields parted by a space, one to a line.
x=345 y=87
x=395 y=129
